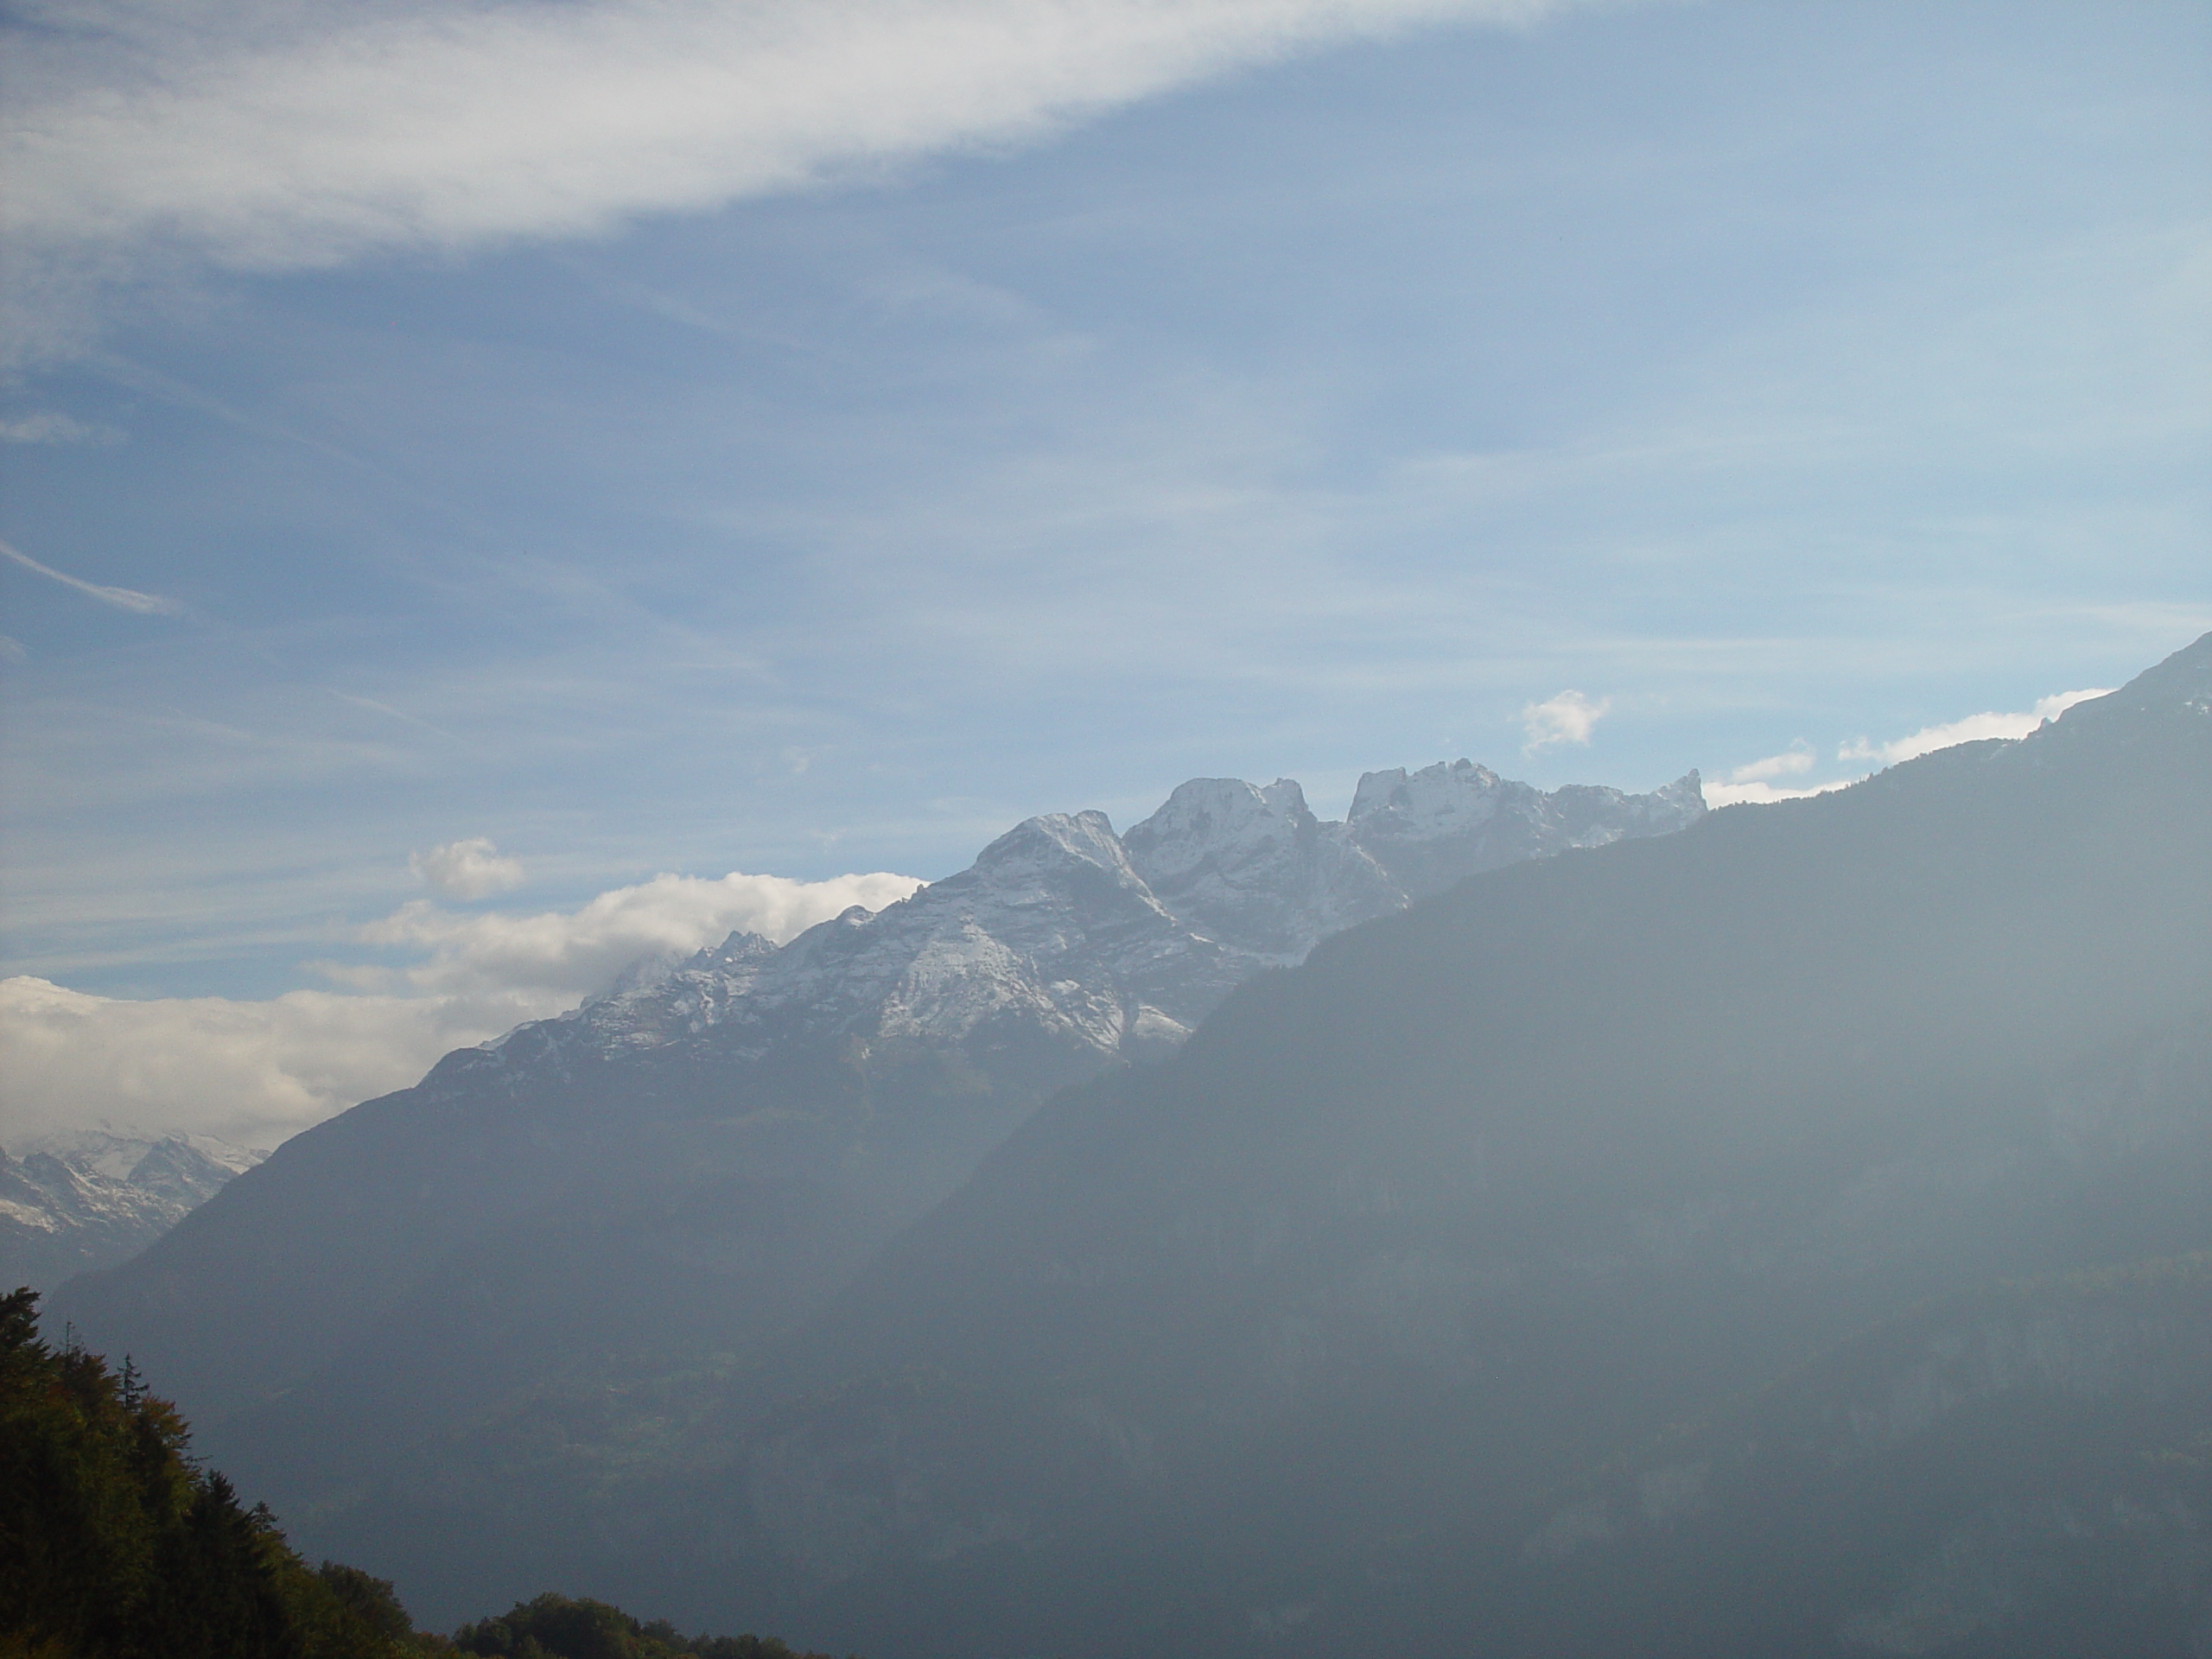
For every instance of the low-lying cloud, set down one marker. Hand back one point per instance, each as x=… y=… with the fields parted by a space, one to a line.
x=570 y=954
x=255 y=1072
x=1759 y=792
x=1972 y=729
x=251 y=1073
x=1793 y=762
x=282 y=137
x=1753 y=783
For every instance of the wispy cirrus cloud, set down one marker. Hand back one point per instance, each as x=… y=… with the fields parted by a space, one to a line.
x=281 y=138
x=123 y=599
x=48 y=427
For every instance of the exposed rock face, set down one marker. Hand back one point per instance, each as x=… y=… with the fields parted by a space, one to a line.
x=92 y=1200
x=1050 y=937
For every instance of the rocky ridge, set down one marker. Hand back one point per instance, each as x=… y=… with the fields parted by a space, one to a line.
x=1112 y=945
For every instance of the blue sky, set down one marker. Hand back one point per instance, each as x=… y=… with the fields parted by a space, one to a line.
x=1312 y=395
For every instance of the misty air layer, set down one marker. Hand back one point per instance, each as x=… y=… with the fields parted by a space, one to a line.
x=654 y=1001
x=1499 y=1223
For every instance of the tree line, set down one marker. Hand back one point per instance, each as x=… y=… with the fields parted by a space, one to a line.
x=116 y=1543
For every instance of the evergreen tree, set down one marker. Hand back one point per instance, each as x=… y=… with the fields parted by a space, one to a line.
x=115 y=1545
x=561 y=1627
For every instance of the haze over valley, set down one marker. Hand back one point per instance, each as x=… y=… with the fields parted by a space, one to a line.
x=991 y=828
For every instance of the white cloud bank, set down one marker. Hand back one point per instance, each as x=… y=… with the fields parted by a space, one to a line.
x=1753 y=783
x=564 y=955
x=1793 y=761
x=1972 y=729
x=275 y=136
x=254 y=1072
x=1759 y=792
x=1570 y=717
x=249 y=1073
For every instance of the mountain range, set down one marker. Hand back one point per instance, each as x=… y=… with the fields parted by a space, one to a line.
x=73 y=1203
x=1783 y=1237
x=703 y=1155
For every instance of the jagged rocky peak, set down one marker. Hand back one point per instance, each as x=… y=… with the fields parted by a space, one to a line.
x=144 y=1157
x=1435 y=827
x=1254 y=868
x=1591 y=814
x=1037 y=853
x=1058 y=889
x=175 y=1169
x=1686 y=796
x=1213 y=821
x=1116 y=939
x=1448 y=799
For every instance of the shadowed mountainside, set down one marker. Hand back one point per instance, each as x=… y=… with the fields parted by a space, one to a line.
x=2025 y=1470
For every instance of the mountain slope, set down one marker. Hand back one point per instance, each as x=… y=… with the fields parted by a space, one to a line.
x=2026 y=1469
x=1259 y=1349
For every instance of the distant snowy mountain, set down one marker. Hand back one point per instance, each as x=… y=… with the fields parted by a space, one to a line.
x=73 y=1202
x=1063 y=934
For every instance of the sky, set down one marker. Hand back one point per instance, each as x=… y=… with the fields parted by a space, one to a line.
x=490 y=490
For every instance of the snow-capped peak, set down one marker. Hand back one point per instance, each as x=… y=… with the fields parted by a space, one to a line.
x=1050 y=844
x=1447 y=798
x=1099 y=943
x=1219 y=819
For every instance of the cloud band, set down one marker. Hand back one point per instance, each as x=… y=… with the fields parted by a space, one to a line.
x=287 y=139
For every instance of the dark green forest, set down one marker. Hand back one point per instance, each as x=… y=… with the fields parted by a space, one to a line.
x=579 y=1629
x=116 y=1543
